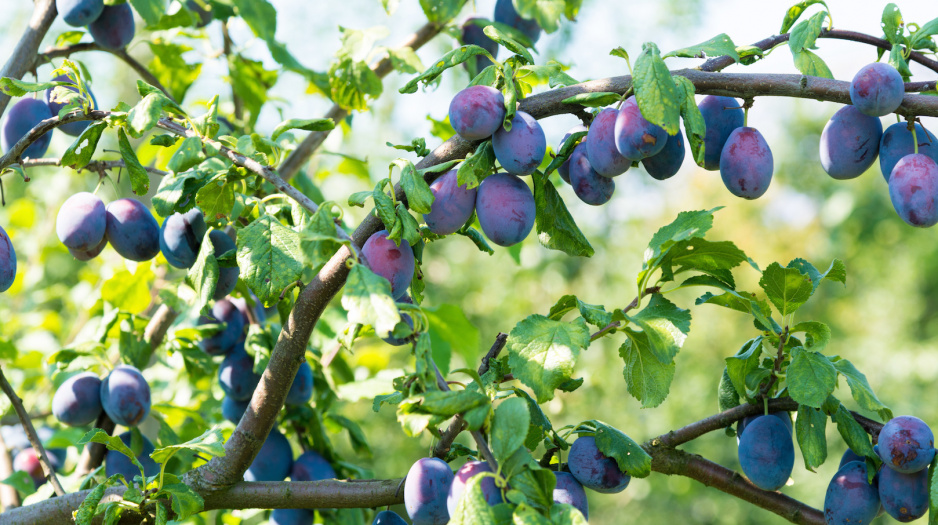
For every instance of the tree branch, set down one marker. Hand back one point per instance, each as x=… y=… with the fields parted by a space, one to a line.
x=21 y=60
x=95 y=165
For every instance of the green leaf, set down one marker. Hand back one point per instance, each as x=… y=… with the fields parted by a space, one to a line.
x=687 y=225
x=453 y=58
x=861 y=390
x=353 y=83
x=555 y=226
x=127 y=291
x=269 y=258
x=419 y=196
x=694 y=125
x=854 y=435
x=810 y=431
x=563 y=514
x=817 y=334
x=477 y=167
x=22 y=482
x=170 y=68
x=630 y=457
x=836 y=272
x=932 y=493
x=367 y=297
x=139 y=179
x=553 y=71
x=88 y=508
x=319 y=238
x=526 y=515
x=811 y=378
x=804 y=35
x=727 y=397
x=216 y=199
x=144 y=116
x=720 y=45
x=701 y=255
x=185 y=501
x=922 y=37
x=655 y=90
x=188 y=155
x=646 y=377
x=15 y=87
x=472 y=508
x=509 y=427
x=442 y=11
x=451 y=330
x=546 y=13
x=316 y=124
x=812 y=65
x=112 y=443
x=252 y=82
x=786 y=288
x=80 y=153
x=508 y=43
x=794 y=12
x=739 y=366
x=665 y=325
x=543 y=353
x=405 y=60
x=210 y=444
x=149 y=10
x=893 y=25
x=260 y=16
x=593 y=100
x=176 y=193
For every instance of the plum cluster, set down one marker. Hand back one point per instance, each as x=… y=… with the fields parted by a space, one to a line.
x=274 y=462
x=180 y=239
x=111 y=26
x=124 y=395
x=85 y=226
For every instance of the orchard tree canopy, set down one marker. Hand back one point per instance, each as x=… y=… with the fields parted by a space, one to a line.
x=276 y=261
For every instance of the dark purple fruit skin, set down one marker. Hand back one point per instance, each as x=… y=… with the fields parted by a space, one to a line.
x=492 y=494
x=394 y=341
x=521 y=150
x=241 y=304
x=311 y=466
x=913 y=189
x=77 y=402
x=22 y=117
x=877 y=89
x=452 y=205
x=223 y=342
x=505 y=13
x=302 y=388
x=125 y=396
x=472 y=34
x=87 y=255
x=505 y=208
x=236 y=375
x=476 y=112
x=292 y=517
x=79 y=13
x=746 y=163
x=636 y=138
x=181 y=237
x=850 y=456
x=897 y=143
x=564 y=169
x=720 y=123
x=273 y=461
x=766 y=453
x=571 y=492
x=233 y=410
x=117 y=463
x=744 y=422
x=593 y=469
x=394 y=263
x=388 y=517
x=904 y=496
x=591 y=187
x=601 y=145
x=27 y=461
x=132 y=230
x=72 y=128
x=668 y=161
x=7 y=261
x=850 y=498
x=227 y=277
x=850 y=143
x=81 y=221
x=426 y=491
x=906 y=444
x=114 y=29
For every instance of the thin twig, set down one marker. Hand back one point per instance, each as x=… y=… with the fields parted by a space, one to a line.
x=96 y=165
x=484 y=449
x=777 y=367
x=615 y=324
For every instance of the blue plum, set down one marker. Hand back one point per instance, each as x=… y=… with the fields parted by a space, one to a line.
x=521 y=150
x=394 y=263
x=593 y=469
x=181 y=237
x=591 y=187
x=452 y=205
x=913 y=189
x=77 y=401
x=7 y=261
x=125 y=396
x=72 y=128
x=850 y=143
x=311 y=466
x=227 y=277
x=668 y=161
x=132 y=230
x=877 y=89
x=224 y=341
x=505 y=209
x=117 y=463
x=721 y=116
x=897 y=143
x=746 y=164
x=766 y=452
x=505 y=13
x=601 y=145
x=302 y=388
x=292 y=517
x=491 y=492
x=273 y=461
x=849 y=456
x=636 y=138
x=564 y=169
x=904 y=496
x=114 y=28
x=571 y=492
x=784 y=417
x=906 y=444
x=87 y=255
x=81 y=222
x=426 y=491
x=22 y=117
x=477 y=112
x=850 y=498
x=260 y=317
x=236 y=375
x=472 y=34
x=388 y=517
x=233 y=410
x=79 y=13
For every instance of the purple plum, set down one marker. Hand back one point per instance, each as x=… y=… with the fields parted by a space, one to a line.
x=505 y=208
x=477 y=112
x=850 y=143
x=452 y=205
x=746 y=163
x=601 y=145
x=913 y=189
x=877 y=89
x=394 y=263
x=521 y=150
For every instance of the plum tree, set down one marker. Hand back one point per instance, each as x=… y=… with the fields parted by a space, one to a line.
x=766 y=452
x=850 y=143
x=81 y=221
x=79 y=13
x=22 y=117
x=391 y=261
x=233 y=410
x=236 y=374
x=906 y=444
x=472 y=34
x=568 y=490
x=505 y=13
x=490 y=491
x=591 y=187
x=114 y=27
x=426 y=492
x=273 y=461
x=721 y=115
x=593 y=469
x=388 y=517
x=227 y=275
x=477 y=112
x=132 y=230
x=636 y=138
x=601 y=147
x=77 y=402
x=232 y=320
x=117 y=463
x=897 y=143
x=56 y=98
x=7 y=261
x=667 y=162
x=452 y=205
x=521 y=149
x=181 y=237
x=904 y=495
x=913 y=189
x=746 y=163
x=850 y=497
x=564 y=169
x=302 y=388
x=505 y=209
x=877 y=89
x=125 y=396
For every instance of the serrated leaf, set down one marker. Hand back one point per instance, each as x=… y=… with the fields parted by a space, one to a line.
x=786 y=288
x=547 y=13
x=269 y=258
x=139 y=179
x=687 y=225
x=453 y=58
x=86 y=511
x=854 y=435
x=188 y=154
x=861 y=390
x=812 y=65
x=316 y=124
x=353 y=83
x=478 y=239
x=630 y=457
x=509 y=427
x=655 y=90
x=543 y=353
x=176 y=193
x=812 y=440
x=216 y=199
x=15 y=87
x=80 y=153
x=811 y=377
x=112 y=443
x=472 y=508
x=665 y=325
x=508 y=43
x=727 y=397
x=893 y=25
x=646 y=377
x=794 y=12
x=555 y=227
x=477 y=167
x=804 y=35
x=367 y=297
x=419 y=197
x=714 y=258
x=818 y=334
x=210 y=444
x=185 y=501
x=720 y=45
x=933 y=493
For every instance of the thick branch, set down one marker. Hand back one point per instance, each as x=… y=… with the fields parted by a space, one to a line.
x=21 y=60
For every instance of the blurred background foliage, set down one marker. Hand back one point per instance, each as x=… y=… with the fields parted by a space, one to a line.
x=883 y=320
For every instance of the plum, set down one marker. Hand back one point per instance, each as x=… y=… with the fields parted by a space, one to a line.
x=132 y=230
x=850 y=498
x=913 y=189
x=236 y=375
x=505 y=209
x=636 y=138
x=426 y=490
x=521 y=150
x=601 y=145
x=906 y=444
x=784 y=417
x=394 y=263
x=292 y=517
x=904 y=495
x=591 y=187
x=472 y=34
x=72 y=128
x=224 y=341
x=79 y=13
x=260 y=317
x=568 y=490
x=114 y=28
x=400 y=341
x=23 y=116
x=125 y=396
x=452 y=205
x=505 y=13
x=850 y=455
x=491 y=492
x=746 y=163
x=87 y=255
x=477 y=111
x=897 y=143
x=388 y=517
x=77 y=402
x=564 y=169
x=850 y=143
x=668 y=161
x=273 y=461
x=766 y=452
x=877 y=89
x=28 y=461
x=181 y=237
x=721 y=116
x=117 y=463
x=233 y=410
x=311 y=466
x=301 y=390
x=593 y=469
x=7 y=261
x=81 y=222
x=227 y=277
